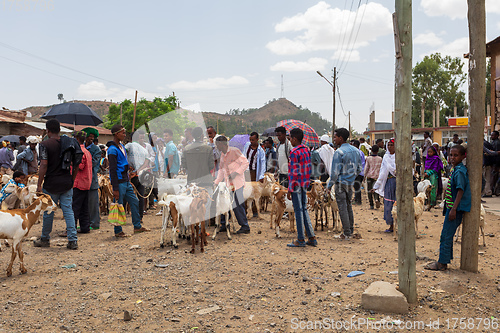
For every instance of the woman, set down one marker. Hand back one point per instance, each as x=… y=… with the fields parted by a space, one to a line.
x=433 y=168
x=386 y=183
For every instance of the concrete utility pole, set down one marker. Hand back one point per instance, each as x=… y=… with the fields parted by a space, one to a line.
x=402 y=20
x=477 y=91
x=333 y=84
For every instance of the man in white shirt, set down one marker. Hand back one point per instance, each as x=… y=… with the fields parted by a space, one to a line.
x=326 y=153
x=283 y=155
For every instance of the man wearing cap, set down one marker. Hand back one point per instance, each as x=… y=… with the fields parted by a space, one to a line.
x=326 y=154
x=6 y=158
x=95 y=152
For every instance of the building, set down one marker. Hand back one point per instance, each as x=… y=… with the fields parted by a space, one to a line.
x=493 y=52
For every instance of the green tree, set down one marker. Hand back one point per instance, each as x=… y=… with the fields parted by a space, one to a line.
x=437 y=81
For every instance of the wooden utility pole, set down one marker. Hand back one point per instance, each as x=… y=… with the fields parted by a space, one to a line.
x=135 y=109
x=434 y=117
x=334 y=85
x=477 y=90
x=349 y=124
x=422 y=114
x=121 y=114
x=402 y=20
x=438 y=111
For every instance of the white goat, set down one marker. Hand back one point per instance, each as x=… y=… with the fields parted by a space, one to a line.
x=224 y=206
x=15 y=224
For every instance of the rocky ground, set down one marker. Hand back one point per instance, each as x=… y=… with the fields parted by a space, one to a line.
x=253 y=283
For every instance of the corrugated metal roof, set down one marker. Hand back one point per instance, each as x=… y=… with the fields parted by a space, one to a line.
x=10 y=120
x=41 y=126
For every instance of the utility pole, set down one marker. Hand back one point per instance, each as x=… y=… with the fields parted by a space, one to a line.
x=477 y=91
x=349 y=123
x=135 y=109
x=402 y=20
x=333 y=84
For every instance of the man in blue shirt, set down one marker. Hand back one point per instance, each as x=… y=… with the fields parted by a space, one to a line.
x=346 y=165
x=172 y=162
x=359 y=178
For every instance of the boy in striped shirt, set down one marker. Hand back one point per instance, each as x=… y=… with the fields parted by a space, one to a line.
x=299 y=173
x=457 y=201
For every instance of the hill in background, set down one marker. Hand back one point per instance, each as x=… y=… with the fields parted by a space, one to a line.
x=235 y=121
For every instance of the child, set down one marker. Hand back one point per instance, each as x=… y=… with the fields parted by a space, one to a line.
x=433 y=169
x=457 y=201
x=386 y=183
x=372 y=169
x=299 y=173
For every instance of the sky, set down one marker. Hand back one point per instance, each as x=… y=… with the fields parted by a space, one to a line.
x=222 y=54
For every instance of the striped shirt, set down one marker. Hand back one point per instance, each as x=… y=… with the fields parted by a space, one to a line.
x=299 y=168
x=372 y=166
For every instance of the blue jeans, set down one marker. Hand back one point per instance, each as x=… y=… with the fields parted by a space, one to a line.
x=66 y=202
x=343 y=195
x=446 y=241
x=302 y=220
x=127 y=194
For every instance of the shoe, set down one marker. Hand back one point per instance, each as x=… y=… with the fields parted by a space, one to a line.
x=222 y=228
x=255 y=215
x=377 y=204
x=312 y=242
x=342 y=236
x=243 y=231
x=487 y=196
x=371 y=207
x=94 y=228
x=297 y=243
x=142 y=229
x=72 y=245
x=121 y=235
x=41 y=243
x=83 y=232
x=64 y=234
x=389 y=231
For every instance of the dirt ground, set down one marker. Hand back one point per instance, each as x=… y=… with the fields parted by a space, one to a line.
x=253 y=283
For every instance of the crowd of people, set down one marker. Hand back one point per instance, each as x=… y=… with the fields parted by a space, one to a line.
x=68 y=168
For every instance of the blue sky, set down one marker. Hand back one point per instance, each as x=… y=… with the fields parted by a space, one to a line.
x=220 y=55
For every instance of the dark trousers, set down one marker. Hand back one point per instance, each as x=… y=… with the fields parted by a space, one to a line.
x=357 y=189
x=81 y=209
x=140 y=188
x=238 y=209
x=253 y=178
x=369 y=184
x=283 y=180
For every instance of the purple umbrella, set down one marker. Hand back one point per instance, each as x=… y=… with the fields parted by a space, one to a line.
x=239 y=141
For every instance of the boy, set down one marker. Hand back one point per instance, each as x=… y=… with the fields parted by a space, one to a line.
x=457 y=201
x=299 y=173
x=372 y=169
x=12 y=201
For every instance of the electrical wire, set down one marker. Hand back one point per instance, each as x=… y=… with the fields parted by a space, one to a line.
x=355 y=38
x=343 y=59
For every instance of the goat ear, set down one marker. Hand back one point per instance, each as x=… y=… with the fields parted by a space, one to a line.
x=39 y=193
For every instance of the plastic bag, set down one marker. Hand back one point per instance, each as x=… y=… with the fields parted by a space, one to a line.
x=117 y=215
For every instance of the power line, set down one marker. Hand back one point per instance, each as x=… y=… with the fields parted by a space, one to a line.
x=340 y=99
x=350 y=35
x=345 y=34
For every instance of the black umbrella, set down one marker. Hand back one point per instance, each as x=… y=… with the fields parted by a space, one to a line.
x=73 y=113
x=270 y=132
x=11 y=138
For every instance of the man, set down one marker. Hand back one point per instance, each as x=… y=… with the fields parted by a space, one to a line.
x=381 y=147
x=95 y=152
x=326 y=152
x=256 y=157
x=138 y=160
x=152 y=163
x=198 y=160
x=118 y=174
x=495 y=142
x=57 y=177
x=6 y=158
x=212 y=136
x=364 y=147
x=283 y=155
x=452 y=143
x=20 y=149
x=271 y=160
x=27 y=160
x=22 y=144
x=81 y=186
x=346 y=165
x=425 y=147
x=359 y=178
x=172 y=163
x=232 y=168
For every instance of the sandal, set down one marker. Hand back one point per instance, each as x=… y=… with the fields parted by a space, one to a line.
x=312 y=242
x=436 y=266
x=121 y=235
x=389 y=231
x=142 y=229
x=297 y=243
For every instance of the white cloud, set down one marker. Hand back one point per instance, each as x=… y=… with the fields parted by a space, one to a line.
x=349 y=56
x=98 y=91
x=269 y=83
x=454 y=9
x=209 y=84
x=456 y=48
x=313 y=64
x=325 y=28
x=428 y=38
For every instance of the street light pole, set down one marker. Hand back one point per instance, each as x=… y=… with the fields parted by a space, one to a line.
x=333 y=93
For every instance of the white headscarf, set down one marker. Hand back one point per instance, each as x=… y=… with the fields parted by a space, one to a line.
x=388 y=167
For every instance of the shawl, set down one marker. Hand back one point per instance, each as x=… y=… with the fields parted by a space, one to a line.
x=434 y=162
x=388 y=167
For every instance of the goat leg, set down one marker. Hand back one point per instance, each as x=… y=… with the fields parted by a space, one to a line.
x=21 y=258
x=193 y=245
x=12 y=258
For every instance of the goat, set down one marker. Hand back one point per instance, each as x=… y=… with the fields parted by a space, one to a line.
x=425 y=186
x=418 y=207
x=331 y=201
x=224 y=206
x=267 y=191
x=105 y=193
x=198 y=211
x=481 y=226
x=315 y=201
x=252 y=191
x=15 y=224
x=280 y=205
x=176 y=207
